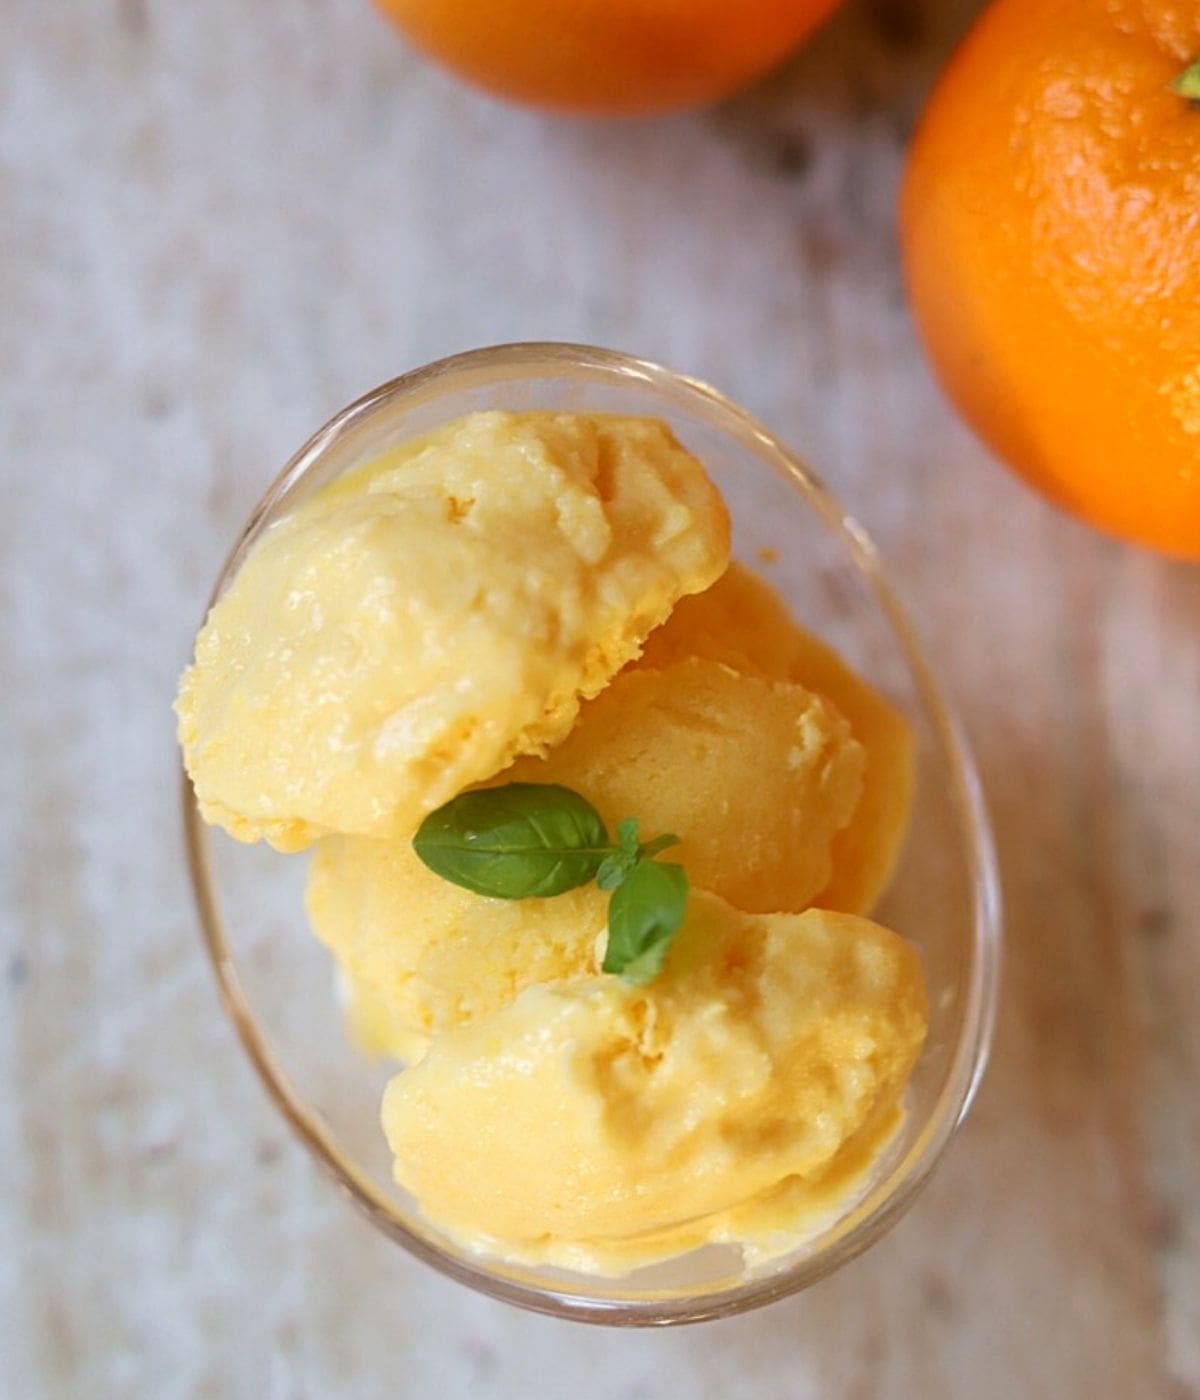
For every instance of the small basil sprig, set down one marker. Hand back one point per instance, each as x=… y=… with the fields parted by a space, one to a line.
x=535 y=840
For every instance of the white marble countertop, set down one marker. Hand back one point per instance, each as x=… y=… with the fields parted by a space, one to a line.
x=220 y=222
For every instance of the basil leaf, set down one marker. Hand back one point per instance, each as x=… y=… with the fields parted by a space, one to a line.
x=644 y=915
x=519 y=841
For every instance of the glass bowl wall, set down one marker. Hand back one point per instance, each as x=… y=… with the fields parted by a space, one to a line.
x=277 y=982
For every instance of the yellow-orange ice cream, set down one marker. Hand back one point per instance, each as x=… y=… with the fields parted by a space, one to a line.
x=740 y=622
x=756 y=776
x=415 y=626
x=373 y=1026
x=471 y=609
x=423 y=955
x=590 y=1113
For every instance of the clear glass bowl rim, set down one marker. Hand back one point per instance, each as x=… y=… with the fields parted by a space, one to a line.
x=529 y=359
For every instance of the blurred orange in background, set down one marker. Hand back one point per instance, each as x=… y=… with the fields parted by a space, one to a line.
x=1050 y=223
x=607 y=57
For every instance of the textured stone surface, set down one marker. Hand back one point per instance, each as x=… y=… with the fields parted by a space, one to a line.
x=220 y=222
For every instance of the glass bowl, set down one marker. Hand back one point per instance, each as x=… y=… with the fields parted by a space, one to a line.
x=277 y=982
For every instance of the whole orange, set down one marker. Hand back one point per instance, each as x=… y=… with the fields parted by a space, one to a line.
x=1050 y=228
x=616 y=57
